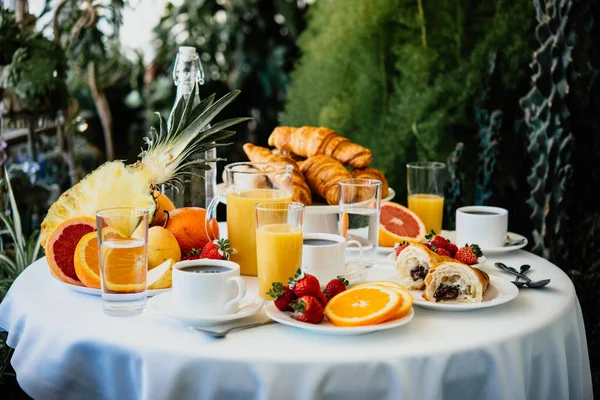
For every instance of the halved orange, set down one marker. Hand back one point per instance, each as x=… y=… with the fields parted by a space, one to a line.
x=365 y=305
x=387 y=284
x=405 y=303
x=85 y=259
x=398 y=224
x=125 y=265
x=61 y=244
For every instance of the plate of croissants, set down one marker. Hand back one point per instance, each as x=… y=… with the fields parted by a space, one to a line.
x=321 y=158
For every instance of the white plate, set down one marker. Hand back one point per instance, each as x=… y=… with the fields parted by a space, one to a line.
x=98 y=292
x=499 y=291
x=162 y=306
x=510 y=238
x=327 y=328
x=317 y=209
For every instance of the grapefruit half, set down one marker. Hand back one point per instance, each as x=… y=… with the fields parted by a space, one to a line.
x=398 y=224
x=61 y=244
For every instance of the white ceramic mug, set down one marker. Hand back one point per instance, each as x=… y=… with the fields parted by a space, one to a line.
x=207 y=288
x=482 y=225
x=328 y=261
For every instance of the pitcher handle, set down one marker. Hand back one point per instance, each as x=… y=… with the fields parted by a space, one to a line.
x=211 y=213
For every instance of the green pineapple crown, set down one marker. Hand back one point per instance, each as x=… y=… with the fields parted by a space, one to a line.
x=169 y=150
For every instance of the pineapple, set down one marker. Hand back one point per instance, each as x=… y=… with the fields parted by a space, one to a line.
x=165 y=161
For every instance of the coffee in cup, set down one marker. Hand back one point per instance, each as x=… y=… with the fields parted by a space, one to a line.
x=482 y=225
x=323 y=255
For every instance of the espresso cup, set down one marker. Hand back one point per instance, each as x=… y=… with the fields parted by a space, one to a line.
x=482 y=225
x=207 y=288
x=323 y=255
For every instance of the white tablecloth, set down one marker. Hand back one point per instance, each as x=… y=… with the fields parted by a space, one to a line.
x=531 y=348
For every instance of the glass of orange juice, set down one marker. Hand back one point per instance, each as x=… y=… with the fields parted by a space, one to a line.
x=425 y=181
x=278 y=243
x=123 y=259
x=248 y=184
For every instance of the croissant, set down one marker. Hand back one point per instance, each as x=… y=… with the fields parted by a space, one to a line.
x=309 y=141
x=323 y=174
x=413 y=264
x=372 y=173
x=455 y=282
x=300 y=191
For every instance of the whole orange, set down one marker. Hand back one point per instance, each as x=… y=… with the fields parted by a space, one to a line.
x=187 y=224
x=163 y=203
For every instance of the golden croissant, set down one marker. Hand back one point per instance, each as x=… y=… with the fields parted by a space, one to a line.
x=372 y=173
x=300 y=191
x=309 y=141
x=323 y=174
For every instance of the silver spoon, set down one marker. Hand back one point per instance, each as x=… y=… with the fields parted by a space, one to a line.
x=528 y=281
x=222 y=334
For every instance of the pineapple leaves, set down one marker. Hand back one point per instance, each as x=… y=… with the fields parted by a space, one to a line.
x=204 y=119
x=177 y=113
x=201 y=107
x=220 y=126
x=189 y=105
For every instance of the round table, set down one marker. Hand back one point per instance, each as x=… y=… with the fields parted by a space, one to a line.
x=533 y=347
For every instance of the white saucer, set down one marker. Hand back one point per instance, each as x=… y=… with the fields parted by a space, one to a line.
x=510 y=238
x=499 y=291
x=98 y=292
x=162 y=306
x=327 y=328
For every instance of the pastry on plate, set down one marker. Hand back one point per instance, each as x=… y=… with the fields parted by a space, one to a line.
x=323 y=174
x=300 y=191
x=413 y=264
x=309 y=141
x=372 y=173
x=455 y=282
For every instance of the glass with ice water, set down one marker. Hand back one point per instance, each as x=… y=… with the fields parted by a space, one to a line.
x=123 y=259
x=360 y=201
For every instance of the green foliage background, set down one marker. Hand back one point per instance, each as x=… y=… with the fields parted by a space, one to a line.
x=401 y=77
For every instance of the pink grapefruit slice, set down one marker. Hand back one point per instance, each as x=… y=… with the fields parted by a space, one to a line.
x=398 y=224
x=61 y=244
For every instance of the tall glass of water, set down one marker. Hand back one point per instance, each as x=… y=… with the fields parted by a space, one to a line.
x=123 y=259
x=360 y=201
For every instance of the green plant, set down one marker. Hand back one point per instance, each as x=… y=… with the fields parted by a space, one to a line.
x=454 y=196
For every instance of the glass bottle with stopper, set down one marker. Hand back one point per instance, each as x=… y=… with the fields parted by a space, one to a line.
x=199 y=188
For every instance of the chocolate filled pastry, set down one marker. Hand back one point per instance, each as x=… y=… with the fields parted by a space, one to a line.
x=455 y=282
x=413 y=264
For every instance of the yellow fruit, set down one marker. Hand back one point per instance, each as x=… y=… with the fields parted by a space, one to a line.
x=161 y=277
x=365 y=305
x=407 y=299
x=162 y=246
x=163 y=206
x=124 y=268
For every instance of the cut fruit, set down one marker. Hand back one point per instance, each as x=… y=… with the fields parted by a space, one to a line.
x=387 y=284
x=365 y=305
x=161 y=277
x=405 y=305
x=86 y=262
x=124 y=265
x=162 y=246
x=61 y=244
x=398 y=224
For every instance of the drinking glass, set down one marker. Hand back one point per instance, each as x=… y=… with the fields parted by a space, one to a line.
x=360 y=202
x=425 y=182
x=248 y=184
x=123 y=259
x=278 y=243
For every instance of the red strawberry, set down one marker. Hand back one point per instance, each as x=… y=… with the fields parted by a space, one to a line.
x=427 y=245
x=322 y=298
x=336 y=286
x=401 y=247
x=193 y=254
x=441 y=251
x=440 y=241
x=308 y=309
x=452 y=248
x=304 y=284
x=283 y=296
x=217 y=250
x=468 y=254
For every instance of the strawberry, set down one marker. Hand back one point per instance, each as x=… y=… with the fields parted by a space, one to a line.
x=304 y=284
x=440 y=241
x=322 y=298
x=427 y=245
x=400 y=247
x=452 y=248
x=468 y=254
x=308 y=309
x=440 y=250
x=193 y=254
x=217 y=250
x=283 y=296
x=336 y=286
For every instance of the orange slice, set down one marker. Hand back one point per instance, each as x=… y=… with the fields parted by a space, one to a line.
x=125 y=265
x=405 y=305
x=86 y=263
x=387 y=284
x=398 y=224
x=365 y=305
x=61 y=244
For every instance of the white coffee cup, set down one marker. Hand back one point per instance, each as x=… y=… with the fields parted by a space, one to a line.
x=207 y=288
x=325 y=257
x=482 y=225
